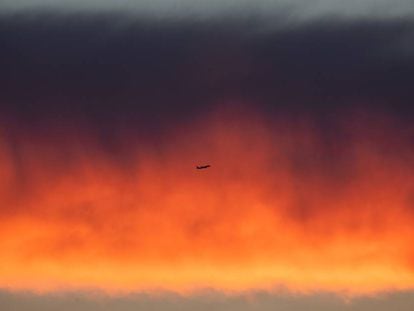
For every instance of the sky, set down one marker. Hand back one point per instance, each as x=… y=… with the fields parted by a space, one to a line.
x=302 y=109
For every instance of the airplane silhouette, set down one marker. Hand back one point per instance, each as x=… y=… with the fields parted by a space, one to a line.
x=203 y=167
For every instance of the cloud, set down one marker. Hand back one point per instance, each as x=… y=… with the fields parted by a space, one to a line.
x=289 y=201
x=308 y=130
x=94 y=63
x=297 y=10
x=204 y=301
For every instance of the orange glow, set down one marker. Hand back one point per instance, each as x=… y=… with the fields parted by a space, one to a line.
x=282 y=205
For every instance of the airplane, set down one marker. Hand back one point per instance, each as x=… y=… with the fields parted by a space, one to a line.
x=203 y=167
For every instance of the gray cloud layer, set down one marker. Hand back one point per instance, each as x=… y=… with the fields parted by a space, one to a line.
x=291 y=9
x=403 y=301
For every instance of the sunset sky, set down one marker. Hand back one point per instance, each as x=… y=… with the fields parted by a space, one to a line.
x=303 y=109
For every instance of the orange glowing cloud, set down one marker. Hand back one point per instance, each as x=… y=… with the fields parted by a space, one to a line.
x=286 y=203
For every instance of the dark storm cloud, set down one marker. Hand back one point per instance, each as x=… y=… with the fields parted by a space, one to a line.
x=115 y=67
x=64 y=73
